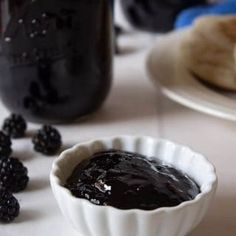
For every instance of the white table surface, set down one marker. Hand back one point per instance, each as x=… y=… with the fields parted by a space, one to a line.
x=133 y=107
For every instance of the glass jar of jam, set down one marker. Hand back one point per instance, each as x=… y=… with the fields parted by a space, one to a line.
x=55 y=57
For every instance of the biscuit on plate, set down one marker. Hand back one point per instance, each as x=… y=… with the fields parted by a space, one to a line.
x=208 y=50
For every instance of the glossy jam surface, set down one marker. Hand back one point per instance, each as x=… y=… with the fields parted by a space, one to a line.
x=55 y=57
x=130 y=181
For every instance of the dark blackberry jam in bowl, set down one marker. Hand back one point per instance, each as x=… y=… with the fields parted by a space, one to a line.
x=55 y=57
x=133 y=186
x=128 y=180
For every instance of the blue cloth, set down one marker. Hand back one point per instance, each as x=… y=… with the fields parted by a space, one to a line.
x=186 y=17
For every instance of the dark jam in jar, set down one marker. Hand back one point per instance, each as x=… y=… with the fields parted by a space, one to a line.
x=56 y=57
x=130 y=181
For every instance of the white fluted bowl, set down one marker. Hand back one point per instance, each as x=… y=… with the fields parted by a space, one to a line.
x=92 y=220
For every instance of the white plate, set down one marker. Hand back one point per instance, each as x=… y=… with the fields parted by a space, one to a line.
x=179 y=85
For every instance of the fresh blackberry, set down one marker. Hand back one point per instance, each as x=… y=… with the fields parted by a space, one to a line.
x=5 y=145
x=47 y=140
x=15 y=126
x=13 y=175
x=9 y=206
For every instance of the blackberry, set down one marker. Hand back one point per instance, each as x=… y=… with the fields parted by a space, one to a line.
x=9 y=206
x=5 y=145
x=47 y=140
x=14 y=126
x=13 y=175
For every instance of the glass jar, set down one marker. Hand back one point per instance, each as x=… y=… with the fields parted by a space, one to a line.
x=55 y=57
